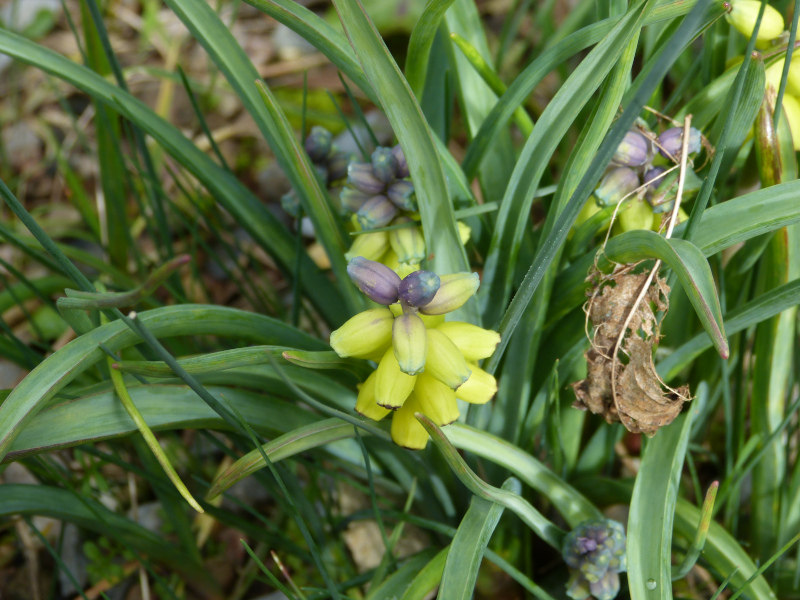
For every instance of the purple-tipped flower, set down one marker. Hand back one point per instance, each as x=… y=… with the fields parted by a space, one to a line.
x=362 y=177
x=419 y=288
x=401 y=193
x=376 y=212
x=337 y=165
x=353 y=199
x=617 y=184
x=671 y=141
x=652 y=179
x=633 y=151
x=384 y=164
x=376 y=280
x=402 y=165
x=596 y=552
x=318 y=144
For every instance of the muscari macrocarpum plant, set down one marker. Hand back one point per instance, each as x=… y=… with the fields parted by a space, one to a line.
x=647 y=169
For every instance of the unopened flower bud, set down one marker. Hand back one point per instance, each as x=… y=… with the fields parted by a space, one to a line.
x=617 y=184
x=464 y=232
x=633 y=151
x=364 y=334
x=318 y=144
x=744 y=14
x=376 y=212
x=384 y=164
x=362 y=177
x=402 y=165
x=353 y=199
x=392 y=386
x=407 y=242
x=406 y=430
x=322 y=173
x=653 y=178
x=371 y=246
x=445 y=362
x=366 y=404
x=638 y=215
x=454 y=291
x=419 y=288
x=670 y=142
x=402 y=195
x=377 y=281
x=438 y=401
x=410 y=343
x=474 y=342
x=596 y=550
x=479 y=388
x=337 y=165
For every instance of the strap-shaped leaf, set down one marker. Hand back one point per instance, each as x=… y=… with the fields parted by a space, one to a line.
x=419 y=45
x=691 y=267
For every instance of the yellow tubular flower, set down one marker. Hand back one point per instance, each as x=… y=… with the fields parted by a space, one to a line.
x=445 y=361
x=410 y=343
x=407 y=242
x=431 y=321
x=474 y=342
x=479 y=388
x=437 y=400
x=406 y=430
x=392 y=386
x=366 y=404
x=365 y=334
x=371 y=246
x=743 y=16
x=464 y=232
x=453 y=292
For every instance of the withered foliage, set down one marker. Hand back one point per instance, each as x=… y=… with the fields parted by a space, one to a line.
x=627 y=390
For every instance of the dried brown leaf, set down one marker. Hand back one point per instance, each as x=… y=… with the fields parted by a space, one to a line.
x=634 y=394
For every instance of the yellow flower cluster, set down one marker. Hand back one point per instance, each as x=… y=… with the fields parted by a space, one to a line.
x=424 y=363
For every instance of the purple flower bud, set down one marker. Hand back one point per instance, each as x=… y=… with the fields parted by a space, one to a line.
x=384 y=164
x=318 y=144
x=376 y=212
x=617 y=184
x=671 y=141
x=401 y=193
x=352 y=199
x=419 y=288
x=376 y=280
x=362 y=177
x=633 y=151
x=652 y=179
x=337 y=165
x=402 y=165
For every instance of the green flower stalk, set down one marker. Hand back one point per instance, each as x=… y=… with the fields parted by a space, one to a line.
x=424 y=364
x=595 y=551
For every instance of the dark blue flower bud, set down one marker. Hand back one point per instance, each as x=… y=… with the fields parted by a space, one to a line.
x=352 y=199
x=376 y=212
x=671 y=141
x=402 y=165
x=337 y=165
x=318 y=144
x=401 y=193
x=376 y=280
x=633 y=151
x=617 y=184
x=419 y=288
x=362 y=177
x=384 y=164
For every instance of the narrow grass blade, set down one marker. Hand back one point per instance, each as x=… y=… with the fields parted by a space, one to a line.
x=469 y=544
x=699 y=541
x=416 y=139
